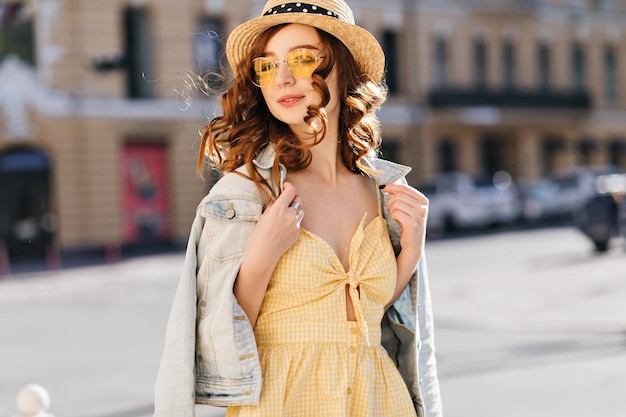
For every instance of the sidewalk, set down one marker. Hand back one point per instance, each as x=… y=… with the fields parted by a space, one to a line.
x=544 y=280
x=525 y=322
x=529 y=323
x=91 y=335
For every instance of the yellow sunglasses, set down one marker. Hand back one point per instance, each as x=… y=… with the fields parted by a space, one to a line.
x=300 y=62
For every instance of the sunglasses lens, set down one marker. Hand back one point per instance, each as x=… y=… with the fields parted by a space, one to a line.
x=264 y=71
x=301 y=63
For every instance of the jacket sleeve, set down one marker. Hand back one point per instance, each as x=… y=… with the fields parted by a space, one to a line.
x=429 y=381
x=175 y=382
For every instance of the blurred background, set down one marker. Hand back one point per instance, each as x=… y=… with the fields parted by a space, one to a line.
x=505 y=109
x=512 y=114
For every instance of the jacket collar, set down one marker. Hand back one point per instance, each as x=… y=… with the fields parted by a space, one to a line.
x=264 y=159
x=386 y=172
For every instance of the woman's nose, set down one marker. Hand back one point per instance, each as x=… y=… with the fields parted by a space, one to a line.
x=283 y=75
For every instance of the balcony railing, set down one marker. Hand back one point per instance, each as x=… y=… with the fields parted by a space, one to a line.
x=503 y=6
x=528 y=99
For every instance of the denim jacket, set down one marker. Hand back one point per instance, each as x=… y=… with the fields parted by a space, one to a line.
x=210 y=355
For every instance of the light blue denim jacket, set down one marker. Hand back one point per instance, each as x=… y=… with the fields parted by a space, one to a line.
x=210 y=355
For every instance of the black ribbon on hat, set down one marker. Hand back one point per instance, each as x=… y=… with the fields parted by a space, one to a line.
x=300 y=8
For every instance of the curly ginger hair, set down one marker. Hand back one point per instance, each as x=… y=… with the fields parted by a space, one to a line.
x=234 y=139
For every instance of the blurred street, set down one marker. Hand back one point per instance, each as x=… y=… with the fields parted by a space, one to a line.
x=528 y=323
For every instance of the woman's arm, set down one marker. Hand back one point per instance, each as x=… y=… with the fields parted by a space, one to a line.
x=409 y=208
x=276 y=231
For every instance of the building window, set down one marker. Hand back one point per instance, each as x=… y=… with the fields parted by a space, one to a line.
x=610 y=73
x=552 y=149
x=587 y=149
x=208 y=48
x=16 y=33
x=389 y=43
x=480 y=63
x=579 y=73
x=543 y=66
x=492 y=155
x=508 y=65
x=441 y=62
x=390 y=150
x=447 y=153
x=617 y=153
x=138 y=52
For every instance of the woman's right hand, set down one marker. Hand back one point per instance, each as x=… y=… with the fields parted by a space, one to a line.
x=278 y=228
x=276 y=231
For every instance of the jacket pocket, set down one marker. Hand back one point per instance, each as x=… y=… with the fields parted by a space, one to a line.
x=228 y=224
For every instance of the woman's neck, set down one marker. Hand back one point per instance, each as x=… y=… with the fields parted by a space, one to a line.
x=326 y=161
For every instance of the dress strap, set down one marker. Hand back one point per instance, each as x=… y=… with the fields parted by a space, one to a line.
x=379 y=199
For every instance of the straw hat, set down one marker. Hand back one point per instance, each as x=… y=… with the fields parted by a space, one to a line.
x=332 y=16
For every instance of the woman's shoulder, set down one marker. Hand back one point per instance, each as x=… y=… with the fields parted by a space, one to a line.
x=232 y=185
x=233 y=195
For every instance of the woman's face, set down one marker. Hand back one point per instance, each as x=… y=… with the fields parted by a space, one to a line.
x=288 y=96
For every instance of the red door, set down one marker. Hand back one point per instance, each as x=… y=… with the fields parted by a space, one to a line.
x=146 y=193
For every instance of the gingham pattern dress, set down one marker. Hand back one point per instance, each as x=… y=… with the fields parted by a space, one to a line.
x=315 y=362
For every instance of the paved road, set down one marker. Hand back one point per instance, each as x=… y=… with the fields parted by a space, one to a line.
x=528 y=323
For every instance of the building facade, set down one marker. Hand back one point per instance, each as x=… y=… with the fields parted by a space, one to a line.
x=526 y=86
x=99 y=118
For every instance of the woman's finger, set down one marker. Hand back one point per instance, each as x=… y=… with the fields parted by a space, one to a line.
x=287 y=196
x=406 y=193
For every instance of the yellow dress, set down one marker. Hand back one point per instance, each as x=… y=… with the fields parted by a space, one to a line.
x=315 y=362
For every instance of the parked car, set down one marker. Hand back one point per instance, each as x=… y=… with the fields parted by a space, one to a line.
x=540 y=202
x=460 y=201
x=603 y=216
x=577 y=185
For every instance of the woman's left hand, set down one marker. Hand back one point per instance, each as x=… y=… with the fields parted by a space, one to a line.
x=409 y=208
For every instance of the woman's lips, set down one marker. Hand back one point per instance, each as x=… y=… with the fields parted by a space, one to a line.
x=289 y=100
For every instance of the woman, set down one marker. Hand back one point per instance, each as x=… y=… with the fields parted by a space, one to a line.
x=295 y=257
